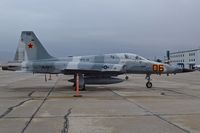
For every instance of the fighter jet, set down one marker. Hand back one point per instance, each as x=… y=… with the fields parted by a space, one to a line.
x=91 y=69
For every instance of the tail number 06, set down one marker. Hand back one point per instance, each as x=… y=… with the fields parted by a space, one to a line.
x=158 y=68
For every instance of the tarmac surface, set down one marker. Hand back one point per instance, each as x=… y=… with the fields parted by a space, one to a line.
x=28 y=104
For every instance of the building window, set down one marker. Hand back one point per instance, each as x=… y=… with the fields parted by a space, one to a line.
x=191 y=54
x=190 y=60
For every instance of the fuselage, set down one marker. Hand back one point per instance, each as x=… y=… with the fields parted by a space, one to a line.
x=115 y=64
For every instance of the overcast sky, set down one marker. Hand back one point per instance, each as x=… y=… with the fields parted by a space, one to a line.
x=80 y=27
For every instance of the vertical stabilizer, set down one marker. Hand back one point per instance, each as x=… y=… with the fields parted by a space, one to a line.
x=33 y=48
x=20 y=53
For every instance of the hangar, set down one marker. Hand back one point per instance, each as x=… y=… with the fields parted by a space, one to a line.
x=186 y=59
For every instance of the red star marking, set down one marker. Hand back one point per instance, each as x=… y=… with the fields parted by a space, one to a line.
x=30 y=45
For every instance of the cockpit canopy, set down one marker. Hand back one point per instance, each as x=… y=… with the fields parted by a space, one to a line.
x=126 y=56
x=133 y=56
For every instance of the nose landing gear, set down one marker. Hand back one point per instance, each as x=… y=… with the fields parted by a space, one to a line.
x=148 y=84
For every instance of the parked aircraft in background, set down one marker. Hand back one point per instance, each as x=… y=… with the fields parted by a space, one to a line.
x=31 y=56
x=197 y=67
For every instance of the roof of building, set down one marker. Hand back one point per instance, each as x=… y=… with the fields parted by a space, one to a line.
x=185 y=51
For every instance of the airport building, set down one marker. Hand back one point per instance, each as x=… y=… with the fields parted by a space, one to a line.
x=186 y=59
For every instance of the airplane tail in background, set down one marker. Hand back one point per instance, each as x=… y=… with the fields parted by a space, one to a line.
x=32 y=46
x=20 y=53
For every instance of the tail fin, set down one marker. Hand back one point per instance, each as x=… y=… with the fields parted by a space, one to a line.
x=20 y=53
x=33 y=48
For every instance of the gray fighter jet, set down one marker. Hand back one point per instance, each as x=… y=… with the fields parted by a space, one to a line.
x=31 y=56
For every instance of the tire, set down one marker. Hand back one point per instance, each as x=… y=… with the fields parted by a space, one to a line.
x=149 y=85
x=83 y=89
x=126 y=77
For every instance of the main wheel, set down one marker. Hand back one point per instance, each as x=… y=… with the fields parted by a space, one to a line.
x=83 y=88
x=148 y=84
x=80 y=88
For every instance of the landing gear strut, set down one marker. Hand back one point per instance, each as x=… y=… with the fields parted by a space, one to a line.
x=125 y=72
x=148 y=84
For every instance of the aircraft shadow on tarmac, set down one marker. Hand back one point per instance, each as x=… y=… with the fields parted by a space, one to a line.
x=71 y=88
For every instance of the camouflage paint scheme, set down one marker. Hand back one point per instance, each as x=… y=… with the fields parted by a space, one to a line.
x=32 y=57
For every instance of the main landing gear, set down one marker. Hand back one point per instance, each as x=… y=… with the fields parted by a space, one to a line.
x=126 y=77
x=148 y=84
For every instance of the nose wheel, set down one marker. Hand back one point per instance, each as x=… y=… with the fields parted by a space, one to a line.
x=148 y=84
x=148 y=78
